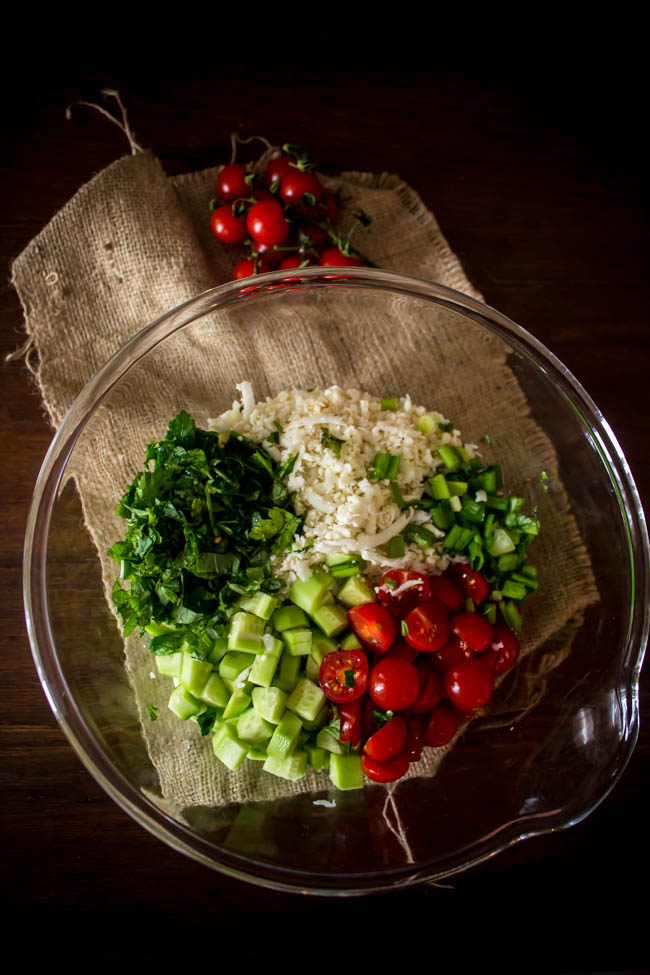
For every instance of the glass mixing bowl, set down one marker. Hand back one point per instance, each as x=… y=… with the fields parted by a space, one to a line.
x=561 y=726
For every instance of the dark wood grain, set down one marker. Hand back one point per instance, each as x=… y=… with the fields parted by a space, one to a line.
x=538 y=183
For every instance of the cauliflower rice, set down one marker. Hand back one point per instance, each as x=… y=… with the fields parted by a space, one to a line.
x=346 y=511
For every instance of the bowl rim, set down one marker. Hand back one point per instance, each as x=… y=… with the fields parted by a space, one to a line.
x=43 y=647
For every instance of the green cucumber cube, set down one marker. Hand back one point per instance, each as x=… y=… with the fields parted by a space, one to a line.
x=289 y=670
x=259 y=604
x=169 y=664
x=321 y=719
x=321 y=645
x=312 y=669
x=257 y=753
x=245 y=633
x=318 y=758
x=285 y=736
x=288 y=618
x=229 y=749
x=355 y=591
x=183 y=704
x=234 y=664
x=264 y=667
x=308 y=593
x=219 y=650
x=306 y=699
x=238 y=702
x=252 y=728
x=292 y=767
x=269 y=702
x=351 y=642
x=195 y=673
x=331 y=618
x=325 y=739
x=215 y=693
x=297 y=642
x=346 y=771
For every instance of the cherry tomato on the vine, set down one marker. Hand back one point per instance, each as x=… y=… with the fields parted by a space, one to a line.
x=388 y=741
x=333 y=257
x=267 y=223
x=394 y=684
x=388 y=771
x=402 y=591
x=226 y=227
x=333 y=207
x=469 y=685
x=373 y=625
x=247 y=267
x=343 y=675
x=277 y=169
x=231 y=182
x=293 y=260
x=472 y=582
x=472 y=630
x=427 y=628
x=296 y=183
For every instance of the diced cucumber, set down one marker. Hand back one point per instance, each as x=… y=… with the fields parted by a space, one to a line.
x=269 y=702
x=259 y=604
x=245 y=633
x=252 y=728
x=344 y=564
x=312 y=669
x=229 y=749
x=183 y=704
x=308 y=593
x=288 y=618
x=292 y=767
x=234 y=664
x=318 y=758
x=215 y=693
x=263 y=670
x=306 y=699
x=169 y=664
x=320 y=645
x=346 y=771
x=285 y=736
x=297 y=642
x=257 y=753
x=350 y=642
x=287 y=677
x=321 y=719
x=331 y=618
x=219 y=650
x=355 y=591
x=325 y=739
x=238 y=702
x=195 y=673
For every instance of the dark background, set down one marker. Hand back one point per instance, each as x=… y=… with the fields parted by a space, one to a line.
x=529 y=149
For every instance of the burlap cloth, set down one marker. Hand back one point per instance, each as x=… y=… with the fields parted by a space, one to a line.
x=134 y=243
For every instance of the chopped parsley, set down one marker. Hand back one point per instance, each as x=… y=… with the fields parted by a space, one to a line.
x=329 y=440
x=152 y=711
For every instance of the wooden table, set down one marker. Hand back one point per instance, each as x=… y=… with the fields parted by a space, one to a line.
x=541 y=193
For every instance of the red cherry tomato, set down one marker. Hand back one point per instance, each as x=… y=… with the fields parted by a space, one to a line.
x=333 y=257
x=505 y=649
x=267 y=223
x=402 y=591
x=431 y=689
x=343 y=675
x=472 y=582
x=259 y=194
x=388 y=741
x=473 y=631
x=296 y=183
x=400 y=648
x=231 y=182
x=271 y=257
x=277 y=169
x=374 y=625
x=443 y=725
x=333 y=208
x=226 y=227
x=351 y=718
x=427 y=626
x=452 y=653
x=394 y=684
x=388 y=771
x=315 y=235
x=469 y=685
x=247 y=267
x=448 y=593
x=294 y=260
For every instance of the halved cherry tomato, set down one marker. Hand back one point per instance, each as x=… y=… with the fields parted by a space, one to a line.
x=400 y=648
x=448 y=593
x=388 y=741
x=226 y=227
x=505 y=649
x=431 y=689
x=473 y=631
x=451 y=654
x=402 y=591
x=343 y=675
x=443 y=725
x=394 y=684
x=351 y=719
x=415 y=739
x=231 y=182
x=469 y=685
x=374 y=626
x=472 y=582
x=388 y=771
x=427 y=626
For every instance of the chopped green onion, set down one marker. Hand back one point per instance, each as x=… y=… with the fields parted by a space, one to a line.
x=514 y=590
x=501 y=543
x=507 y=563
x=473 y=511
x=439 y=487
x=446 y=427
x=329 y=440
x=390 y=403
x=457 y=487
x=420 y=535
x=511 y=615
x=449 y=456
x=404 y=627
x=525 y=580
x=397 y=495
x=384 y=467
x=396 y=547
x=490 y=612
x=349 y=678
x=469 y=605
x=442 y=517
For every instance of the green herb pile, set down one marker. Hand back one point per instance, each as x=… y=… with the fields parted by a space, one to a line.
x=202 y=519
